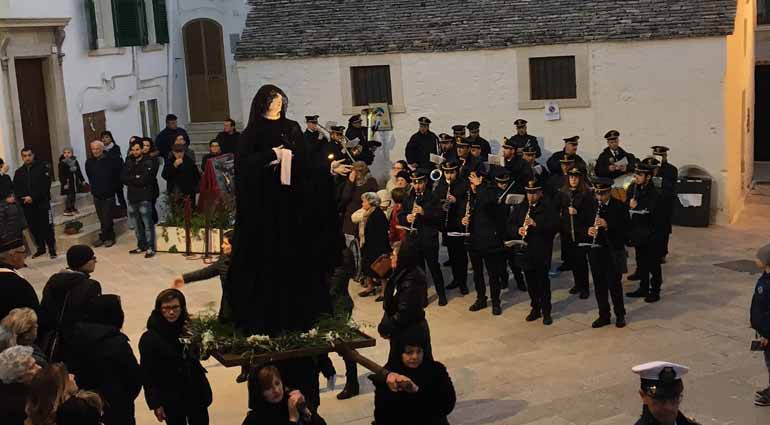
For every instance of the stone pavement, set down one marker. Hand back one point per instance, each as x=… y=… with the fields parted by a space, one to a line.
x=507 y=371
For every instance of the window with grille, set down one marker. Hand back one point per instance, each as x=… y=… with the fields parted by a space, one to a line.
x=371 y=84
x=763 y=12
x=552 y=78
x=122 y=23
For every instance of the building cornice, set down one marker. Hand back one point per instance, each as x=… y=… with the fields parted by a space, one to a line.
x=26 y=23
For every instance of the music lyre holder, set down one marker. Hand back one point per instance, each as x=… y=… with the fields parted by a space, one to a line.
x=515 y=242
x=589 y=245
x=457 y=234
x=640 y=212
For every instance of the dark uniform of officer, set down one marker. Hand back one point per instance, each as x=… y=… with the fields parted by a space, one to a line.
x=315 y=141
x=574 y=205
x=486 y=222
x=557 y=180
x=421 y=145
x=515 y=165
x=452 y=191
x=607 y=232
x=646 y=234
x=661 y=384
x=447 y=147
x=427 y=225
x=554 y=162
x=473 y=135
x=367 y=147
x=611 y=155
x=668 y=175
x=532 y=170
x=467 y=161
x=536 y=221
x=524 y=140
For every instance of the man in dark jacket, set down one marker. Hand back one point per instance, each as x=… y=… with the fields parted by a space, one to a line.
x=524 y=140
x=32 y=187
x=668 y=175
x=112 y=150
x=570 y=149
x=101 y=170
x=228 y=138
x=474 y=130
x=139 y=176
x=486 y=220
x=15 y=291
x=181 y=174
x=421 y=145
x=760 y=316
x=645 y=233
x=12 y=221
x=422 y=212
x=165 y=139
x=608 y=234
x=65 y=297
x=452 y=191
x=102 y=360
x=614 y=162
x=536 y=222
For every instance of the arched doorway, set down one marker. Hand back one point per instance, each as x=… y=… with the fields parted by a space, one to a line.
x=206 y=71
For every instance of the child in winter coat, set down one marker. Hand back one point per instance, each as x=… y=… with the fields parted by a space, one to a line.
x=71 y=179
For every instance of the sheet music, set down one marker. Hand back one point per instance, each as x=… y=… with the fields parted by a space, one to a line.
x=514 y=199
x=623 y=161
x=496 y=160
x=437 y=159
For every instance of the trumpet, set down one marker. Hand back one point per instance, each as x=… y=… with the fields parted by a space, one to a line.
x=342 y=143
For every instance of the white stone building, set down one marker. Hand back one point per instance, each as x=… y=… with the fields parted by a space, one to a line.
x=678 y=73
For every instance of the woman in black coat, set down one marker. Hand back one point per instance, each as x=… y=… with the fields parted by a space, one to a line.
x=181 y=174
x=373 y=239
x=272 y=403
x=102 y=360
x=175 y=384
x=405 y=298
x=413 y=389
x=575 y=202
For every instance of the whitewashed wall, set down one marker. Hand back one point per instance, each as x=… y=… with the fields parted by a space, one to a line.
x=231 y=15
x=114 y=83
x=660 y=92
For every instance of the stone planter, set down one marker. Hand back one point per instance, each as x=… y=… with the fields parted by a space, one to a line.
x=172 y=239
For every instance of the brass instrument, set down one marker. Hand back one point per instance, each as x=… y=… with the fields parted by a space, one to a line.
x=525 y=224
x=436 y=174
x=342 y=144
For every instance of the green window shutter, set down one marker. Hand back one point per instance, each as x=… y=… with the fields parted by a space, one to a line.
x=129 y=20
x=161 y=21
x=91 y=18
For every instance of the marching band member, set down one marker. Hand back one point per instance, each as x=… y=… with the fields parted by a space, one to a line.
x=607 y=163
x=535 y=222
x=646 y=233
x=574 y=202
x=570 y=148
x=524 y=140
x=421 y=145
x=446 y=143
x=608 y=234
x=533 y=170
x=474 y=129
x=452 y=190
x=668 y=174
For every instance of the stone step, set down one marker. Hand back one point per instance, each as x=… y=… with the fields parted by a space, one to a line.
x=82 y=201
x=88 y=234
x=86 y=215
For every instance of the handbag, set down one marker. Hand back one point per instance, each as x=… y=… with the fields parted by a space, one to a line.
x=381 y=266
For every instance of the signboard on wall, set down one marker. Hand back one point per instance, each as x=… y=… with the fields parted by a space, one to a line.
x=552 y=112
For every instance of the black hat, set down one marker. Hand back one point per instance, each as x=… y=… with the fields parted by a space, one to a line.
x=7 y=245
x=78 y=256
x=529 y=150
x=567 y=159
x=473 y=125
x=354 y=119
x=602 y=184
x=520 y=123
x=642 y=168
x=612 y=135
x=510 y=144
x=458 y=129
x=311 y=118
x=533 y=186
x=424 y=121
x=404 y=174
x=651 y=161
x=461 y=141
x=661 y=380
x=575 y=172
x=481 y=168
x=337 y=129
x=419 y=174
x=445 y=138
x=659 y=150
x=502 y=175
x=572 y=140
x=449 y=165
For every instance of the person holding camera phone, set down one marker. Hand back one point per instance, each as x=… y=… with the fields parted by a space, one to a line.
x=272 y=403
x=414 y=388
x=760 y=317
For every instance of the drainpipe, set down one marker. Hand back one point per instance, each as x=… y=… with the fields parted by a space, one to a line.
x=170 y=56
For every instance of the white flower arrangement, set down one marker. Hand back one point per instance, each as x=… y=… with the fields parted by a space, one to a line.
x=257 y=339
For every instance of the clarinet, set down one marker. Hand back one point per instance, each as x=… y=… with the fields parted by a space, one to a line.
x=571 y=217
x=599 y=207
x=417 y=201
x=448 y=206
x=468 y=216
x=526 y=219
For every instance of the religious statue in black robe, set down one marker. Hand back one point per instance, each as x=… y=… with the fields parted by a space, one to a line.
x=285 y=229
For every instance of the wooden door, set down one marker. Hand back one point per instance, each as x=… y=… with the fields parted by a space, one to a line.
x=761 y=113
x=93 y=125
x=206 y=72
x=34 y=108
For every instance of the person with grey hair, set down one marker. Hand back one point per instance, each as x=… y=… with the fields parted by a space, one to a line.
x=760 y=316
x=17 y=368
x=22 y=322
x=373 y=237
x=103 y=173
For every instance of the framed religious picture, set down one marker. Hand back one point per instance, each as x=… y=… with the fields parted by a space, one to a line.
x=379 y=116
